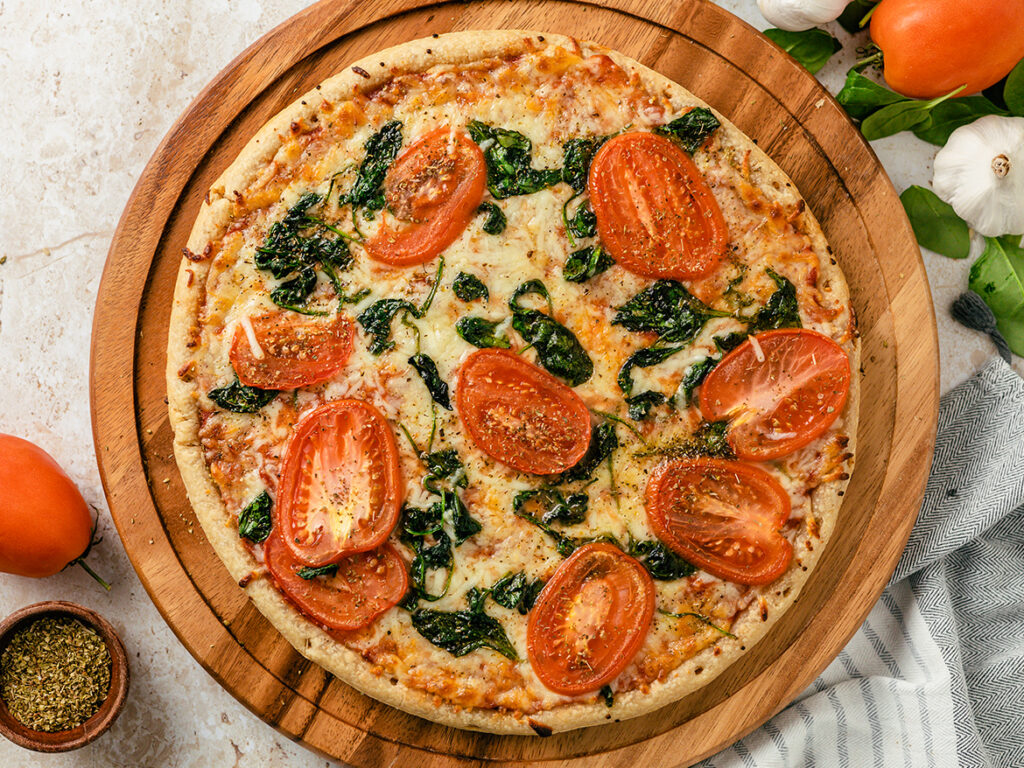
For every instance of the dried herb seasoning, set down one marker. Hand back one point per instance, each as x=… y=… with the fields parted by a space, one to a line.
x=54 y=674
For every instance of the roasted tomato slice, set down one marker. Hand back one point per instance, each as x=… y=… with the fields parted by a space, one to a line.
x=520 y=415
x=364 y=586
x=285 y=352
x=433 y=190
x=723 y=516
x=779 y=390
x=589 y=620
x=655 y=213
x=339 y=487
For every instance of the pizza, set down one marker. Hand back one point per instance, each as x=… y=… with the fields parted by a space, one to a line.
x=515 y=385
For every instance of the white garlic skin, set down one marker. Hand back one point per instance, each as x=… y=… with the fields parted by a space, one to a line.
x=798 y=15
x=980 y=172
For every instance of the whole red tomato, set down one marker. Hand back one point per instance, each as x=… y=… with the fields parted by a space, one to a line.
x=44 y=521
x=933 y=47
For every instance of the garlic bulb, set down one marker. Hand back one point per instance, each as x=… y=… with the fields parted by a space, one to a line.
x=798 y=15
x=980 y=172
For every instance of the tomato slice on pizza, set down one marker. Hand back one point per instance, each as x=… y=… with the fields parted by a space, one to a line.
x=339 y=491
x=520 y=415
x=280 y=350
x=779 y=390
x=433 y=190
x=590 y=619
x=655 y=213
x=350 y=594
x=723 y=516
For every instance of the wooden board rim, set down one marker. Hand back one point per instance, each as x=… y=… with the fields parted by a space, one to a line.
x=112 y=383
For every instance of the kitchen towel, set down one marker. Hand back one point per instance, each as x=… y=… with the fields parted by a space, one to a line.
x=935 y=676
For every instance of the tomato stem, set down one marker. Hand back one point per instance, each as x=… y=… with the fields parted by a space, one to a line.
x=867 y=60
x=867 y=17
x=85 y=566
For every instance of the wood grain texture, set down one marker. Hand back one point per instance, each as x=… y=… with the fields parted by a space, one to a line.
x=721 y=60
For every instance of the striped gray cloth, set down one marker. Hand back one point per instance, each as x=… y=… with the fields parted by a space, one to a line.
x=935 y=676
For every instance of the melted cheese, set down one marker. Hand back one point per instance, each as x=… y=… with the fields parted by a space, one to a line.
x=548 y=101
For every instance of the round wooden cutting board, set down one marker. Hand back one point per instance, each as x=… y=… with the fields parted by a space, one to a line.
x=724 y=62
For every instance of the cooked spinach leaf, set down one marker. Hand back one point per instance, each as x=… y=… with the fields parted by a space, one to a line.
x=730 y=341
x=444 y=465
x=583 y=223
x=469 y=287
x=255 y=522
x=699 y=617
x=668 y=309
x=239 y=398
x=479 y=332
x=291 y=248
x=509 y=159
x=381 y=150
x=307 y=573
x=660 y=561
x=495 y=222
x=586 y=263
x=710 y=440
x=782 y=309
x=516 y=592
x=577 y=154
x=603 y=441
x=642 y=358
x=463 y=524
x=376 y=321
x=438 y=388
x=416 y=526
x=640 y=405
x=553 y=505
x=695 y=376
x=691 y=129
x=460 y=632
x=606 y=694
x=558 y=349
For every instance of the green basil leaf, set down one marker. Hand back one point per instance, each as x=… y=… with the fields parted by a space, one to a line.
x=479 y=332
x=255 y=522
x=438 y=388
x=860 y=96
x=902 y=116
x=998 y=277
x=1013 y=91
x=811 y=48
x=935 y=223
x=952 y=114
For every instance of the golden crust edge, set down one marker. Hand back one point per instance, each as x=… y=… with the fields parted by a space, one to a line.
x=309 y=640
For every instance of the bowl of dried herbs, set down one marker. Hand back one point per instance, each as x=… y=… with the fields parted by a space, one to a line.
x=63 y=676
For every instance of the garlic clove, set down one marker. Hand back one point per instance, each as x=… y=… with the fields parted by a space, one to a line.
x=798 y=15
x=980 y=172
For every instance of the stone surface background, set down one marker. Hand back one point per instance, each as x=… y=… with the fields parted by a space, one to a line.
x=89 y=89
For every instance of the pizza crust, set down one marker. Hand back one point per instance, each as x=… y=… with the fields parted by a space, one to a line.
x=214 y=218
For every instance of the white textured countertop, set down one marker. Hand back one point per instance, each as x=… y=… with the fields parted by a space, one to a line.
x=88 y=92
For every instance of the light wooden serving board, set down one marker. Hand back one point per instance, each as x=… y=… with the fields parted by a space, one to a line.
x=724 y=62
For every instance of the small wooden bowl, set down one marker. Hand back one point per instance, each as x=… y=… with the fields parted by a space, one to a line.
x=65 y=741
